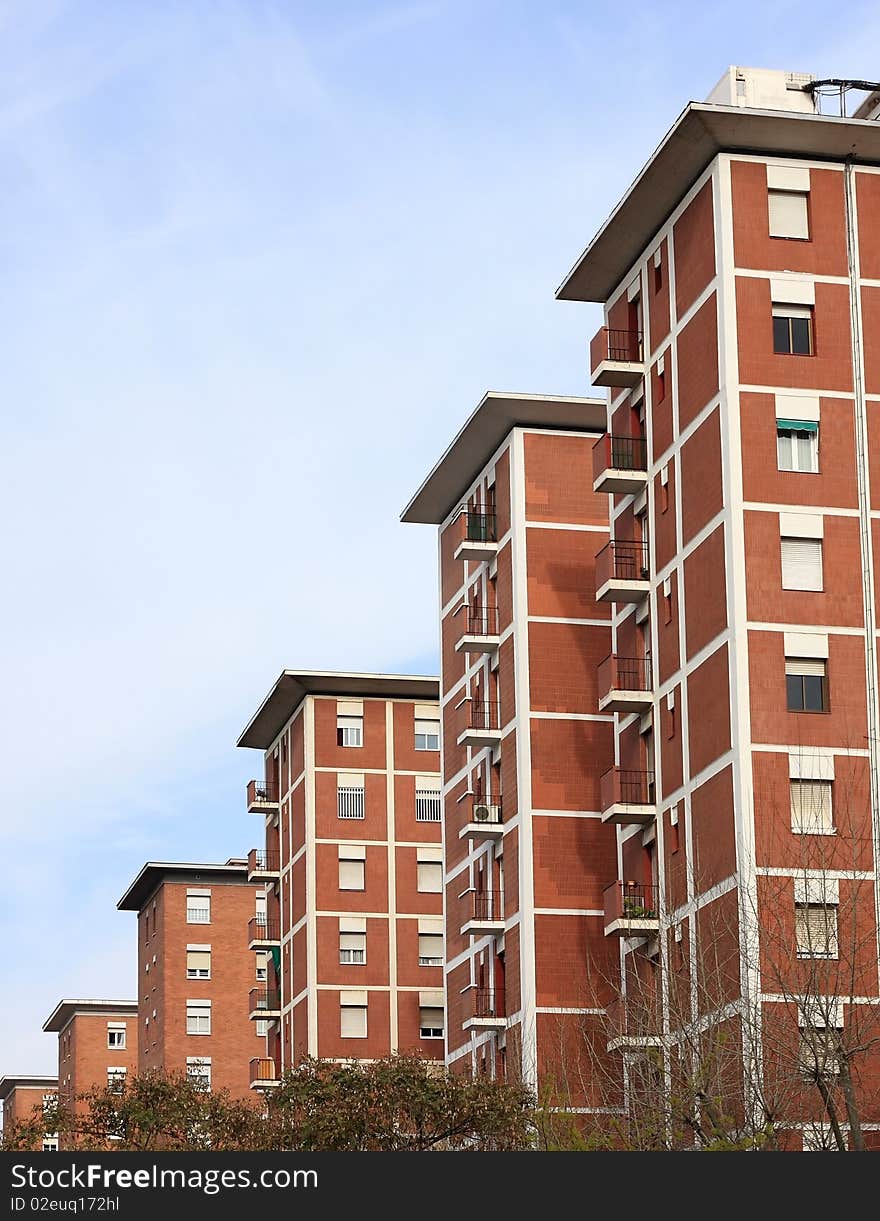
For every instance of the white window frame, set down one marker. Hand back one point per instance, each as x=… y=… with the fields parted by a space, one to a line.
x=198 y=909
x=430 y=941
x=350 y=801
x=198 y=972
x=804 y=936
x=116 y=1038
x=198 y=1013
x=429 y=870
x=117 y=1075
x=196 y=1067
x=789 y=214
x=427 y=734
x=819 y=811
x=351 y=729
x=427 y=1030
x=352 y=868
x=353 y=954
x=354 y=1016
x=802 y=564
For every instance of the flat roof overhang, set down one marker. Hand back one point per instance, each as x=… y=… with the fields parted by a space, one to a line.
x=154 y=873
x=484 y=430
x=292 y=687
x=10 y=1083
x=67 y=1009
x=699 y=133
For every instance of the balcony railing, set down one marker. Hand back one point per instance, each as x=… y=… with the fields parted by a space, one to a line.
x=622 y=571
x=488 y=1003
x=264 y=1001
x=486 y=905
x=627 y=795
x=620 y=464
x=481 y=621
x=264 y=860
x=624 y=683
x=480 y=526
x=262 y=795
x=482 y=714
x=264 y=929
x=616 y=357
x=631 y=907
x=263 y=1072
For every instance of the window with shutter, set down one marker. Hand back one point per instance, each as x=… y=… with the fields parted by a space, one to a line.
x=430 y=949
x=816 y=930
x=353 y=1021
x=802 y=564
x=430 y=1022
x=351 y=875
x=811 y=806
x=789 y=214
x=806 y=684
x=353 y=948
x=198 y=964
x=797 y=446
x=429 y=877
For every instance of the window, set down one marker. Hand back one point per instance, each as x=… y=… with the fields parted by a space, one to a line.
x=350 y=795
x=428 y=808
x=429 y=870
x=116 y=1080
x=262 y=1026
x=349 y=731
x=198 y=962
x=789 y=214
x=427 y=735
x=50 y=1144
x=816 y=930
x=806 y=684
x=198 y=909
x=793 y=330
x=262 y=973
x=802 y=564
x=820 y=1049
x=353 y=1015
x=116 y=1036
x=430 y=1022
x=352 y=948
x=797 y=446
x=351 y=867
x=811 y=806
x=198 y=1017
x=198 y=1070
x=430 y=949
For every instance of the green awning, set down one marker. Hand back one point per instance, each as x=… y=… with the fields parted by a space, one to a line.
x=276 y=958
x=797 y=426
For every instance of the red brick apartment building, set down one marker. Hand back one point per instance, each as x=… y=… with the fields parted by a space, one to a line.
x=22 y=1097
x=350 y=797
x=524 y=742
x=683 y=715
x=97 y=1045
x=196 y=975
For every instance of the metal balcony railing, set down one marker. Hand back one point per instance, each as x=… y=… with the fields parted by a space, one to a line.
x=486 y=905
x=617 y=673
x=626 y=786
x=480 y=526
x=264 y=860
x=480 y=621
x=613 y=343
x=613 y=452
x=264 y=998
x=262 y=792
x=263 y=928
x=482 y=714
x=622 y=560
x=488 y=1003
x=631 y=901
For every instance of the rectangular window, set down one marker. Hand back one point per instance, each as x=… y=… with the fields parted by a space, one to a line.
x=430 y=1022
x=116 y=1080
x=351 y=874
x=797 y=446
x=793 y=330
x=198 y=909
x=198 y=1017
x=116 y=1036
x=428 y=808
x=789 y=214
x=430 y=949
x=806 y=684
x=430 y=877
x=820 y=1048
x=811 y=811
x=262 y=1027
x=50 y=1144
x=349 y=731
x=352 y=1019
x=427 y=735
x=352 y=948
x=802 y=564
x=198 y=964
x=816 y=930
x=198 y=1070
x=262 y=970
x=350 y=801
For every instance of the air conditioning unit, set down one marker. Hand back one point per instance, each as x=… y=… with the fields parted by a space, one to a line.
x=481 y=813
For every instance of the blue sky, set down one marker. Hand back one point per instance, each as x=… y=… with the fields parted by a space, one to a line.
x=260 y=259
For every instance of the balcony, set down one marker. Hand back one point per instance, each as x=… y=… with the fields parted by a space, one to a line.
x=631 y=909
x=262 y=797
x=627 y=796
x=480 y=632
x=264 y=1003
x=622 y=572
x=620 y=464
x=488 y=1011
x=487 y=914
x=616 y=358
x=635 y=1026
x=625 y=684
x=264 y=1074
x=484 y=819
x=482 y=724
x=263 y=934
x=480 y=541
x=263 y=865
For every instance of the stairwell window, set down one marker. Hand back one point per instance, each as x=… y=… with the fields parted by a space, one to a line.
x=793 y=330
x=806 y=684
x=797 y=446
x=802 y=564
